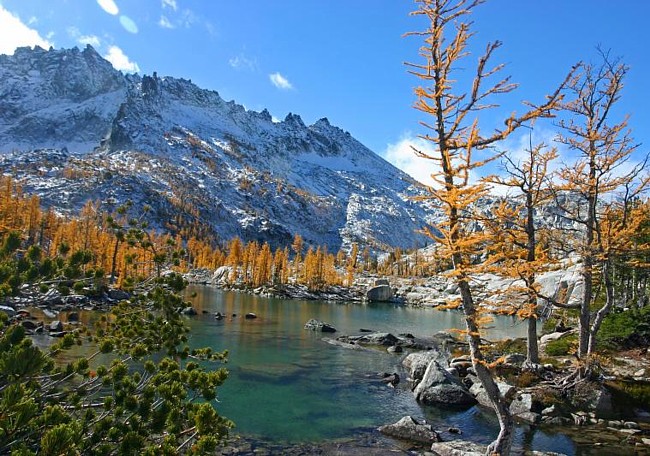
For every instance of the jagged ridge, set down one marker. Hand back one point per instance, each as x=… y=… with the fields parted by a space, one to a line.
x=75 y=129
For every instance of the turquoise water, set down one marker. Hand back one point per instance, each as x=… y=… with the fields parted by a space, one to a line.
x=288 y=385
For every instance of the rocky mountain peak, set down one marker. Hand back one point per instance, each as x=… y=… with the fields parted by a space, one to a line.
x=294 y=119
x=193 y=157
x=323 y=122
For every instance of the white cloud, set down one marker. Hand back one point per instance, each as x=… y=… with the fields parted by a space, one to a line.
x=109 y=6
x=280 y=81
x=129 y=24
x=187 y=18
x=212 y=30
x=175 y=18
x=170 y=4
x=75 y=34
x=518 y=145
x=14 y=33
x=89 y=39
x=165 y=23
x=402 y=155
x=242 y=62
x=120 y=61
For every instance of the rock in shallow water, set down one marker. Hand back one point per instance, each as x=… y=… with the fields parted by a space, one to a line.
x=417 y=363
x=317 y=325
x=441 y=388
x=458 y=448
x=409 y=429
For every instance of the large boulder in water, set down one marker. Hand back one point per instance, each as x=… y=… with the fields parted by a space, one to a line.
x=439 y=387
x=379 y=293
x=417 y=363
x=409 y=429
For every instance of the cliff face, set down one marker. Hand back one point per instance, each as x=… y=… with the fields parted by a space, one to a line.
x=57 y=99
x=74 y=129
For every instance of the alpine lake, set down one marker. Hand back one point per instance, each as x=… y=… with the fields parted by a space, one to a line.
x=289 y=385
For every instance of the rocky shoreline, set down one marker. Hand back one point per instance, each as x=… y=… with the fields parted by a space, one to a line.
x=436 y=378
x=432 y=291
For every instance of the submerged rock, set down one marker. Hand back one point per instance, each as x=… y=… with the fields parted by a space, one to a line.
x=380 y=339
x=458 y=448
x=391 y=379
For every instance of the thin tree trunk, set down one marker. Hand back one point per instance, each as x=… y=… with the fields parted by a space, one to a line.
x=585 y=314
x=503 y=443
x=604 y=311
x=114 y=261
x=588 y=260
x=532 y=347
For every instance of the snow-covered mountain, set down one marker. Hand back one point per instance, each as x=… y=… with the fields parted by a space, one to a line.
x=74 y=129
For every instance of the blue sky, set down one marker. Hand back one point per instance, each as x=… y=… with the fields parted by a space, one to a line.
x=341 y=59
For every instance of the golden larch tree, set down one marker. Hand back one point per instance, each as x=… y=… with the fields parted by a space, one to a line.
x=517 y=250
x=595 y=180
x=454 y=132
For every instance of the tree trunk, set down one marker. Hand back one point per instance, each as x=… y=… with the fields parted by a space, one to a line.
x=532 y=347
x=604 y=311
x=114 y=262
x=588 y=256
x=585 y=314
x=503 y=443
